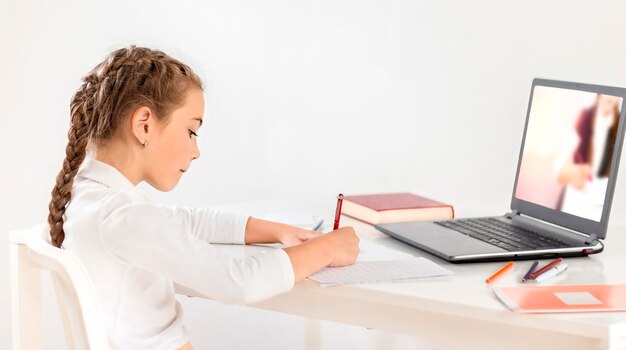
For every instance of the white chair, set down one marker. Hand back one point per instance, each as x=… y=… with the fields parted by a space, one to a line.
x=31 y=253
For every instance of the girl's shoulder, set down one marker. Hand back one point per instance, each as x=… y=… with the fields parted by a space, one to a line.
x=121 y=199
x=101 y=200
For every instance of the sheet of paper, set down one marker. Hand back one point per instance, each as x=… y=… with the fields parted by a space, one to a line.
x=371 y=251
x=380 y=271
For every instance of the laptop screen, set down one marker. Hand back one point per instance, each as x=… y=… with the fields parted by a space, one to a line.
x=568 y=149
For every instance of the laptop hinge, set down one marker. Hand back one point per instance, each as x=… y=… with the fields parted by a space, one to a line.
x=512 y=214
x=592 y=237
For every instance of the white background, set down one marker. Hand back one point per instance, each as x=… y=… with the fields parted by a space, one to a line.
x=306 y=99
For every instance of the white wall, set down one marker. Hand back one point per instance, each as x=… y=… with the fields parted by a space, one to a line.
x=309 y=98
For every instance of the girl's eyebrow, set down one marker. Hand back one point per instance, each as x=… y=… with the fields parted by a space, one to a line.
x=198 y=119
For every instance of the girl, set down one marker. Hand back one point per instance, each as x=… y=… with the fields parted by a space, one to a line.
x=137 y=114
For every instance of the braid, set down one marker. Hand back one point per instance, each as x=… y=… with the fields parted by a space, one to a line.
x=127 y=78
x=74 y=155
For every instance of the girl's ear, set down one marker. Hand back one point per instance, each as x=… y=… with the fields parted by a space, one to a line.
x=143 y=124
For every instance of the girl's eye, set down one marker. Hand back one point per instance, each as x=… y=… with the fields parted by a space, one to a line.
x=191 y=133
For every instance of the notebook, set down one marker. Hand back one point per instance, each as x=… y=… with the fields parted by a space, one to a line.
x=563 y=187
x=407 y=269
x=563 y=298
x=379 y=264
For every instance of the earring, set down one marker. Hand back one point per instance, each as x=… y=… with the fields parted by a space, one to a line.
x=145 y=144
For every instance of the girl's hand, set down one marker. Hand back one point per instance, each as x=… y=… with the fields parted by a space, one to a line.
x=336 y=248
x=293 y=236
x=345 y=246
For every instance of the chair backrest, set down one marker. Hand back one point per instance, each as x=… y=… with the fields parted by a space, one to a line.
x=31 y=253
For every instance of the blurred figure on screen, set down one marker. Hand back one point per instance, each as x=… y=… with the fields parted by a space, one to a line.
x=585 y=161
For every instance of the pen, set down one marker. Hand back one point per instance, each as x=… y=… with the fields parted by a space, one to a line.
x=545 y=268
x=500 y=272
x=318 y=225
x=530 y=271
x=552 y=272
x=338 y=211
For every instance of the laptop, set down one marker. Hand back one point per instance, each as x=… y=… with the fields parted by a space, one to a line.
x=563 y=186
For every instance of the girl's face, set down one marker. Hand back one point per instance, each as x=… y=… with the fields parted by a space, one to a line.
x=174 y=144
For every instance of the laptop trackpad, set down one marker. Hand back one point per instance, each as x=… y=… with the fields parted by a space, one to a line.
x=433 y=237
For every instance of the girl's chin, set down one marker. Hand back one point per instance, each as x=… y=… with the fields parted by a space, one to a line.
x=166 y=186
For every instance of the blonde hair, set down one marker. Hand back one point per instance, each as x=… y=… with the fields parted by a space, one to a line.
x=127 y=79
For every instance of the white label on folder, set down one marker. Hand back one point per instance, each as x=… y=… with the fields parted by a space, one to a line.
x=578 y=298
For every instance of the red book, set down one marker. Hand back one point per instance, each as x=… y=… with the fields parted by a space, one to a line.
x=395 y=207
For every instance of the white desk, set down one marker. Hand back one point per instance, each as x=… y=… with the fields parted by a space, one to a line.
x=460 y=312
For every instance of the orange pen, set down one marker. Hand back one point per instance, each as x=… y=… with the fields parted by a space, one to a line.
x=500 y=272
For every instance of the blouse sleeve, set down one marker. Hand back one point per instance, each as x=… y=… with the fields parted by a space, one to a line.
x=154 y=239
x=211 y=225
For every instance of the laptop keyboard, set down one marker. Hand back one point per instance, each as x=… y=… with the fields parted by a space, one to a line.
x=504 y=235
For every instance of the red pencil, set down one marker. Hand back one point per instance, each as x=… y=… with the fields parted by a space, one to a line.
x=545 y=268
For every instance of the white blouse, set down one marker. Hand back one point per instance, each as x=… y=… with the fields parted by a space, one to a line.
x=134 y=250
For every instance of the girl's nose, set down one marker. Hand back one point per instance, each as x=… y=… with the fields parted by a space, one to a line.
x=195 y=154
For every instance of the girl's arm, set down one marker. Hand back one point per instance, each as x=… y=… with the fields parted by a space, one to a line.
x=210 y=224
x=263 y=231
x=337 y=248
x=148 y=238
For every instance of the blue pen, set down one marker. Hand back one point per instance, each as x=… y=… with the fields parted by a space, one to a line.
x=530 y=271
x=318 y=225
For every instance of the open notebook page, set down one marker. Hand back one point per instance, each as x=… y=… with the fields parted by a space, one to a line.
x=380 y=264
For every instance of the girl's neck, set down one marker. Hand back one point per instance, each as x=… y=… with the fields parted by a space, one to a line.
x=122 y=157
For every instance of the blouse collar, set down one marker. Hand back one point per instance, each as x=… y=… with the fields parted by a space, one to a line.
x=103 y=173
